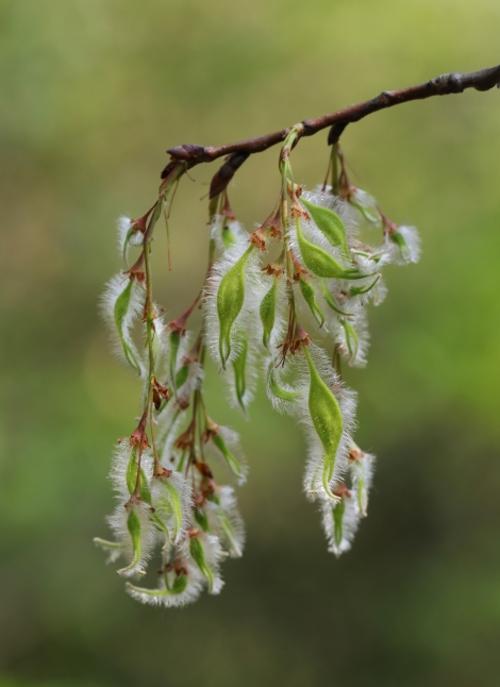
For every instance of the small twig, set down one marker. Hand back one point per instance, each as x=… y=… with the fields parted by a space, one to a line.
x=446 y=84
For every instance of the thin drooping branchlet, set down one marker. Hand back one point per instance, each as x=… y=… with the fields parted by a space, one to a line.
x=170 y=504
x=287 y=301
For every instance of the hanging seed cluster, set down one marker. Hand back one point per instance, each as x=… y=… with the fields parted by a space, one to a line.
x=288 y=303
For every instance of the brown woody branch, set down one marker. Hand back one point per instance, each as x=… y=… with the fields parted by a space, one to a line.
x=446 y=84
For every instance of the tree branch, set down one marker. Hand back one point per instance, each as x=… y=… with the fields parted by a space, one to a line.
x=446 y=84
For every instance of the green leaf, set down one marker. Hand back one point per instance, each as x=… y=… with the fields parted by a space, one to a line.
x=329 y=223
x=233 y=462
x=198 y=555
x=327 y=420
x=321 y=263
x=230 y=298
x=309 y=295
x=268 y=312
x=121 y=307
x=239 y=369
x=134 y=529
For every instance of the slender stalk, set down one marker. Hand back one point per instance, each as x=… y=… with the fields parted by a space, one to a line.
x=148 y=404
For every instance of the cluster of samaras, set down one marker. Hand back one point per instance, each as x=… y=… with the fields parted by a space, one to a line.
x=288 y=302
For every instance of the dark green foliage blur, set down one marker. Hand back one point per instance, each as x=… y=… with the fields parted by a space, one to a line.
x=93 y=92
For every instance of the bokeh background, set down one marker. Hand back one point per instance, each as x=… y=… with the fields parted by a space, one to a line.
x=93 y=92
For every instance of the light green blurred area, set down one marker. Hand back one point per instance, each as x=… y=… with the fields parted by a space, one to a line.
x=93 y=92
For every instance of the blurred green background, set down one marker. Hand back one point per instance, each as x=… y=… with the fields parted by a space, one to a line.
x=93 y=92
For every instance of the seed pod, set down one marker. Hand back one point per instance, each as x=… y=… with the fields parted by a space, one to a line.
x=361 y=496
x=121 y=311
x=169 y=507
x=197 y=552
x=132 y=477
x=340 y=521
x=310 y=298
x=327 y=421
x=366 y=205
x=134 y=530
x=114 y=549
x=407 y=241
x=360 y=290
x=226 y=521
x=228 y=238
x=352 y=339
x=168 y=595
x=338 y=511
x=361 y=469
x=329 y=223
x=174 y=341
x=230 y=298
x=229 y=533
x=180 y=584
x=228 y=530
x=181 y=376
x=226 y=233
x=201 y=518
x=239 y=369
x=127 y=234
x=279 y=391
x=321 y=263
x=400 y=242
x=267 y=312
x=231 y=459
x=330 y=301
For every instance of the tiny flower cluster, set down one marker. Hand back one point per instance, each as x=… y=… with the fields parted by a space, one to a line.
x=287 y=301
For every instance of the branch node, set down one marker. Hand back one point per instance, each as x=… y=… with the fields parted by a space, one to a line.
x=188 y=152
x=336 y=132
x=448 y=83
